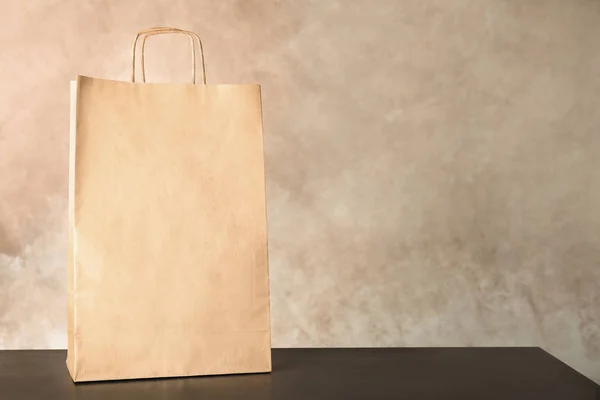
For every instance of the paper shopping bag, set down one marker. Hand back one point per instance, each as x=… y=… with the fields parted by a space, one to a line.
x=168 y=271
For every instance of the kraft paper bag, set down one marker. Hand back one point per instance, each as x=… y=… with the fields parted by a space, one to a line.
x=168 y=271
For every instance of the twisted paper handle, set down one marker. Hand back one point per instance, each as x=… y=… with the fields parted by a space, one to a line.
x=144 y=34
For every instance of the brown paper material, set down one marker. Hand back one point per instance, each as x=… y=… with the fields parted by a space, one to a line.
x=168 y=270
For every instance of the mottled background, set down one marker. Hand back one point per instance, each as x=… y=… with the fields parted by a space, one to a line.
x=433 y=166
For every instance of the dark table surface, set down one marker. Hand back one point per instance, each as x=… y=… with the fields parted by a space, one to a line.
x=394 y=373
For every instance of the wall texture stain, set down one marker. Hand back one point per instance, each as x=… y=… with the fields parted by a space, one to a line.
x=432 y=167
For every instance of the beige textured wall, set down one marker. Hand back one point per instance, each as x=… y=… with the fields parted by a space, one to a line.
x=433 y=166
